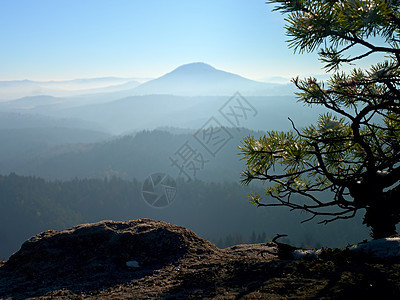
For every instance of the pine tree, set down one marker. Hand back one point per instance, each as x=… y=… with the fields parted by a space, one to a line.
x=353 y=150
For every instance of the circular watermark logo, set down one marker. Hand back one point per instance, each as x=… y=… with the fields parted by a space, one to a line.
x=159 y=190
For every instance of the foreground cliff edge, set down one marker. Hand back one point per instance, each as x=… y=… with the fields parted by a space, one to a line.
x=153 y=259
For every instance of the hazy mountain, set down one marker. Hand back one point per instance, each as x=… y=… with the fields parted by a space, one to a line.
x=194 y=79
x=26 y=144
x=167 y=101
x=10 y=90
x=9 y=120
x=146 y=112
x=200 y=79
x=128 y=156
x=32 y=102
x=152 y=111
x=50 y=105
x=112 y=88
x=25 y=136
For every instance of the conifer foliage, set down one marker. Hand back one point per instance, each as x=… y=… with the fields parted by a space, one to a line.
x=353 y=150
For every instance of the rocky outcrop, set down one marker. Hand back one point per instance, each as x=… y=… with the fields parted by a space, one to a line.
x=106 y=244
x=102 y=252
x=147 y=259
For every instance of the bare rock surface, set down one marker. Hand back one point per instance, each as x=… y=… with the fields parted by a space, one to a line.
x=382 y=248
x=95 y=255
x=107 y=244
x=267 y=250
x=147 y=259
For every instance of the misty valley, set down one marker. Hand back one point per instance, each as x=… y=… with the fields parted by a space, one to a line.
x=81 y=151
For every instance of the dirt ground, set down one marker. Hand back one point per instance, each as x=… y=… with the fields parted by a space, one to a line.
x=241 y=272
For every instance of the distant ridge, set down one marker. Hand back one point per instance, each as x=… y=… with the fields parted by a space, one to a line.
x=192 y=79
x=15 y=89
x=201 y=79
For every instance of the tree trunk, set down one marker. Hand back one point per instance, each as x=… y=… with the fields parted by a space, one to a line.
x=382 y=219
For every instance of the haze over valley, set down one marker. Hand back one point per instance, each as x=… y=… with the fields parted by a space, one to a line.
x=185 y=97
x=110 y=134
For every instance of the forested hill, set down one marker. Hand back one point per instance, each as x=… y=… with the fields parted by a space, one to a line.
x=218 y=212
x=137 y=156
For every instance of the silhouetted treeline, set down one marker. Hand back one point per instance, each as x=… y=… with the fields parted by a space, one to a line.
x=216 y=211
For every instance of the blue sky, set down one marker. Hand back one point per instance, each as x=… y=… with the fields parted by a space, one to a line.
x=66 y=39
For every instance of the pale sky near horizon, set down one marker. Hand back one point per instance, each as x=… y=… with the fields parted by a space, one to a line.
x=67 y=39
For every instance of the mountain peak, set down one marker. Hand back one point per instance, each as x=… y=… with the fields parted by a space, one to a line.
x=194 y=67
x=200 y=79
